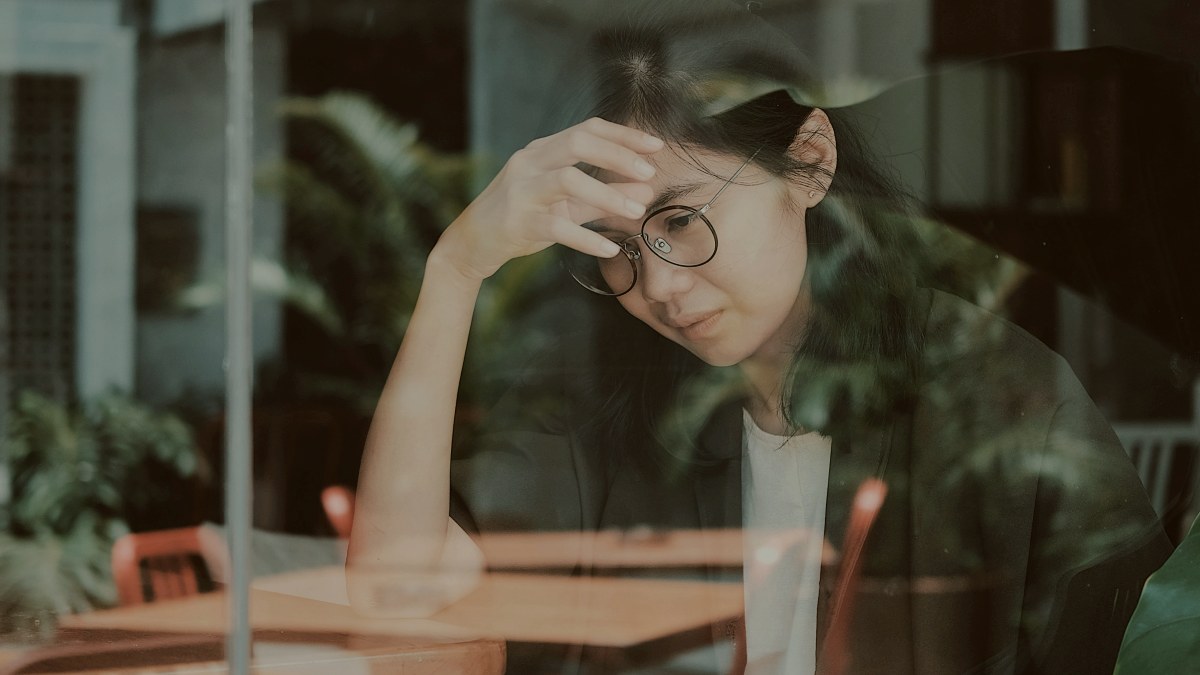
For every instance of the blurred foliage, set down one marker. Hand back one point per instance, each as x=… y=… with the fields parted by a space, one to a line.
x=367 y=201
x=78 y=480
x=859 y=376
x=1164 y=634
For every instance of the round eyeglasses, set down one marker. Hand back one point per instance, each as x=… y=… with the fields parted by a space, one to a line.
x=680 y=235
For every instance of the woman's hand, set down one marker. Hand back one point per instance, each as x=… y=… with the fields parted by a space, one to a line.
x=541 y=198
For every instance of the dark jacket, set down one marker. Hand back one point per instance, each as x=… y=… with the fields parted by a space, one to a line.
x=1015 y=537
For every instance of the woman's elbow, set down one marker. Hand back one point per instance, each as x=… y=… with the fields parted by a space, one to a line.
x=407 y=590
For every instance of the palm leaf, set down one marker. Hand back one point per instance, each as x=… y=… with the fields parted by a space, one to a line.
x=358 y=142
x=271 y=278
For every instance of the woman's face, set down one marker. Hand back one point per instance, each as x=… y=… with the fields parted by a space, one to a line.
x=748 y=303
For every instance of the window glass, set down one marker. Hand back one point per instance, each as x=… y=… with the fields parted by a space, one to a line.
x=912 y=386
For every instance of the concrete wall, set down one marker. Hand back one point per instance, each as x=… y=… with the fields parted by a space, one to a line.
x=85 y=39
x=181 y=164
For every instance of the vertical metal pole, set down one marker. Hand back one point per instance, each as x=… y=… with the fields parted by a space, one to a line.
x=7 y=102
x=239 y=201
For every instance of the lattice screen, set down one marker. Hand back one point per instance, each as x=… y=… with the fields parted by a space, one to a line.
x=38 y=230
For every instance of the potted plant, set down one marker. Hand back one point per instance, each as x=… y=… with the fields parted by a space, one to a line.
x=80 y=478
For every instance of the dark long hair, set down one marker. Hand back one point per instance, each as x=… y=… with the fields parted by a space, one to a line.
x=854 y=365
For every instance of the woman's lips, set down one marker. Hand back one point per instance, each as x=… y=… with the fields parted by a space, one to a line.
x=701 y=326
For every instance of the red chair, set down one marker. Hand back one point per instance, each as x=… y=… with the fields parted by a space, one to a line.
x=835 y=653
x=149 y=566
x=338 y=502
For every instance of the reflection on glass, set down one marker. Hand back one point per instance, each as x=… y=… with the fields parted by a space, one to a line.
x=814 y=336
x=871 y=430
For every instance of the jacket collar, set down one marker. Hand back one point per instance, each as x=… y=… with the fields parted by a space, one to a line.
x=719 y=470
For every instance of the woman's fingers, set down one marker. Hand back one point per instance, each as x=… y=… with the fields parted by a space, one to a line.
x=635 y=139
x=601 y=144
x=582 y=239
x=612 y=147
x=541 y=197
x=580 y=212
x=625 y=135
x=572 y=184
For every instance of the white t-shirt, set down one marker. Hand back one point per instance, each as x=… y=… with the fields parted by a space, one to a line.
x=784 y=486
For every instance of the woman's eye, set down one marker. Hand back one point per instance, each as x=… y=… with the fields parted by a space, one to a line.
x=679 y=222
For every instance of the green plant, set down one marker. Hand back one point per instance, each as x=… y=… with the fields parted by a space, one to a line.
x=78 y=479
x=1164 y=634
x=366 y=201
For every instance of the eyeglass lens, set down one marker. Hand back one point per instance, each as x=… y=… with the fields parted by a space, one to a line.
x=678 y=234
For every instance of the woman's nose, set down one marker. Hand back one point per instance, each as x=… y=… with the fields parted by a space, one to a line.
x=660 y=281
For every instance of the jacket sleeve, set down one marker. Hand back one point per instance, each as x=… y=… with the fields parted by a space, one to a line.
x=526 y=469
x=1018 y=478
x=1095 y=541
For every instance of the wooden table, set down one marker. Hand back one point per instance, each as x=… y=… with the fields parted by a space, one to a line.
x=620 y=550
x=292 y=634
x=613 y=549
x=604 y=612
x=613 y=620
x=113 y=651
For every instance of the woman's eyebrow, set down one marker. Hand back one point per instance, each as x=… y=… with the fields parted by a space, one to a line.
x=671 y=193
x=602 y=227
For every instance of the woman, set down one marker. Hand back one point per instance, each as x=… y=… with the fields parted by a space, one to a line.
x=771 y=351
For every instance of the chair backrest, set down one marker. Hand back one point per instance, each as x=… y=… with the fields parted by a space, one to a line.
x=868 y=500
x=338 y=502
x=1164 y=455
x=150 y=566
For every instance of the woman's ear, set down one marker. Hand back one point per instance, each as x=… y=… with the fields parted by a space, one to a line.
x=816 y=146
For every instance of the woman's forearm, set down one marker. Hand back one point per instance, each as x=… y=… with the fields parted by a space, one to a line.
x=539 y=198
x=401 y=511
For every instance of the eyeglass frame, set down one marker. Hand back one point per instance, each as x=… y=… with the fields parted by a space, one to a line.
x=635 y=254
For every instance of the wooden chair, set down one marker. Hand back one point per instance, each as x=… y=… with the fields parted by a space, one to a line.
x=338 y=502
x=835 y=652
x=149 y=566
x=868 y=500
